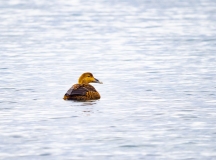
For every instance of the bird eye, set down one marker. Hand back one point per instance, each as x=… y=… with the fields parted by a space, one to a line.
x=88 y=76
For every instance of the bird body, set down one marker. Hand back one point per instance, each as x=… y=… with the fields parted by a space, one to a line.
x=83 y=90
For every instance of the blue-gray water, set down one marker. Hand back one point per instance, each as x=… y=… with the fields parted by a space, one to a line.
x=157 y=60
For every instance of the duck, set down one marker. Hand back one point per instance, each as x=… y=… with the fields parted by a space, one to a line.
x=83 y=91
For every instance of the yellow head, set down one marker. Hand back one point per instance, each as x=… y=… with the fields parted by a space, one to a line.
x=87 y=78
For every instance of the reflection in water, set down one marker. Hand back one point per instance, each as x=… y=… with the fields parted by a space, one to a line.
x=157 y=60
x=89 y=103
x=86 y=107
x=89 y=110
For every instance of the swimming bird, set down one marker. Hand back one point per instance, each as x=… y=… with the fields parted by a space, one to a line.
x=83 y=90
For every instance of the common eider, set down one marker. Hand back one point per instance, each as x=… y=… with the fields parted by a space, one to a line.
x=83 y=90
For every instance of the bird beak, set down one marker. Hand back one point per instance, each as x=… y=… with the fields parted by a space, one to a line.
x=97 y=81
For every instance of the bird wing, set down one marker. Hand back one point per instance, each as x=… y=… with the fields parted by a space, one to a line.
x=77 y=90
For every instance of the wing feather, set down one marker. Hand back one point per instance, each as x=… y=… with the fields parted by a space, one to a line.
x=77 y=91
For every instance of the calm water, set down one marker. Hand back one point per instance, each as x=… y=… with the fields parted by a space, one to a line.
x=157 y=60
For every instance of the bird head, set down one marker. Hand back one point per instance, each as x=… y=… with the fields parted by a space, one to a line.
x=87 y=78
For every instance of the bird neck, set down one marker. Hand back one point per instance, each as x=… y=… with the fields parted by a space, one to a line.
x=82 y=81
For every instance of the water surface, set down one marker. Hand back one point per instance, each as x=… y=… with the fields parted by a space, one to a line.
x=157 y=61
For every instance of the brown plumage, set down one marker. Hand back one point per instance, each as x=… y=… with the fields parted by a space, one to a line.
x=83 y=90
